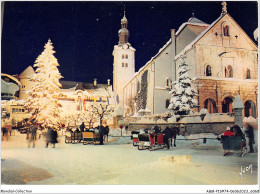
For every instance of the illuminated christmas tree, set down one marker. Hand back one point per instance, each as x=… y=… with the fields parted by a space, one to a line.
x=43 y=104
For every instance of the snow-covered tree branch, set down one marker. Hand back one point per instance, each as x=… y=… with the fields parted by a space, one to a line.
x=102 y=111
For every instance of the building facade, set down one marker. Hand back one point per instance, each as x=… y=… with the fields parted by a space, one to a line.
x=222 y=60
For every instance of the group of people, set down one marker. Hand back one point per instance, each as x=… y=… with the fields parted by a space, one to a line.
x=103 y=131
x=5 y=131
x=237 y=131
x=31 y=136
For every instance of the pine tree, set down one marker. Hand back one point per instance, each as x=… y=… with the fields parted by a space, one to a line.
x=182 y=95
x=43 y=104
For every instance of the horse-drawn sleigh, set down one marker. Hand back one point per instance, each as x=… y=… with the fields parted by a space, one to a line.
x=233 y=143
x=155 y=141
x=92 y=136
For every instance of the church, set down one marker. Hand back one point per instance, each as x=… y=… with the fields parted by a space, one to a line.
x=221 y=57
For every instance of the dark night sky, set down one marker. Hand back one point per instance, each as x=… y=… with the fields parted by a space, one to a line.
x=84 y=33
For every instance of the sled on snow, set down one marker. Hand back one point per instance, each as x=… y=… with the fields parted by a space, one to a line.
x=90 y=138
x=233 y=143
x=151 y=142
x=73 y=137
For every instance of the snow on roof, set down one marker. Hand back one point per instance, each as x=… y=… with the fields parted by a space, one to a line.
x=159 y=52
x=27 y=73
x=195 y=20
x=238 y=102
x=256 y=34
x=8 y=87
x=189 y=46
x=190 y=23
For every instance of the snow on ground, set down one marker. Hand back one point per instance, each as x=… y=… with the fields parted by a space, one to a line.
x=118 y=162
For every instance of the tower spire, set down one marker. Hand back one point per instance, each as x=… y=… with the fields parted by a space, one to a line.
x=123 y=33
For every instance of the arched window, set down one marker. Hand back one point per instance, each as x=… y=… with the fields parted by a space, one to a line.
x=208 y=70
x=228 y=71
x=250 y=109
x=167 y=103
x=123 y=64
x=123 y=56
x=248 y=76
x=126 y=65
x=227 y=105
x=226 y=30
x=210 y=105
x=126 y=56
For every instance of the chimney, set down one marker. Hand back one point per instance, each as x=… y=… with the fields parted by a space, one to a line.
x=95 y=82
x=108 y=82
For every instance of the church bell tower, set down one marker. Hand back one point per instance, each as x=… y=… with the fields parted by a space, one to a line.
x=124 y=61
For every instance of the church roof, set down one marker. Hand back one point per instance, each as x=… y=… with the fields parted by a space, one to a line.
x=192 y=22
x=27 y=73
x=195 y=20
x=188 y=47
x=80 y=85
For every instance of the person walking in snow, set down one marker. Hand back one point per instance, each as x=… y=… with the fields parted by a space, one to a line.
x=101 y=133
x=31 y=135
x=5 y=133
x=48 y=137
x=250 y=134
x=54 y=136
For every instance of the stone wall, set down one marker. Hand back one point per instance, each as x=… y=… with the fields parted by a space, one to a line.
x=188 y=128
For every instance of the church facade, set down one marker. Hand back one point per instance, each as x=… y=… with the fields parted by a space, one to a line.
x=222 y=61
